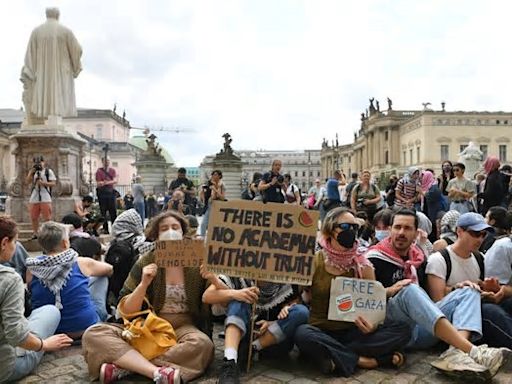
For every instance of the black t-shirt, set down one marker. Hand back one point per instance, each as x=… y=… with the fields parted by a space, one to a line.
x=273 y=194
x=182 y=183
x=387 y=273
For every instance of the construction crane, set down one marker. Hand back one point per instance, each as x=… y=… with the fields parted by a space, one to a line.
x=147 y=129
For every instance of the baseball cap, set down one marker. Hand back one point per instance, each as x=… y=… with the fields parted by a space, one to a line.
x=473 y=221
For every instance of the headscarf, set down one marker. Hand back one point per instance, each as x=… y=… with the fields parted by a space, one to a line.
x=352 y=259
x=53 y=271
x=410 y=172
x=491 y=164
x=449 y=225
x=384 y=250
x=128 y=225
x=427 y=181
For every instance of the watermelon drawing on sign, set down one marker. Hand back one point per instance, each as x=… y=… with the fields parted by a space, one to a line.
x=305 y=220
x=344 y=303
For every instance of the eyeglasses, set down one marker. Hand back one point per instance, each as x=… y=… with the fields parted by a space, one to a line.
x=477 y=234
x=346 y=226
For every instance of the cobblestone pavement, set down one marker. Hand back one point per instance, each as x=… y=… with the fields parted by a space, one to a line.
x=68 y=366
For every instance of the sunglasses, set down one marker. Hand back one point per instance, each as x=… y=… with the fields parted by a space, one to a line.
x=346 y=226
x=477 y=234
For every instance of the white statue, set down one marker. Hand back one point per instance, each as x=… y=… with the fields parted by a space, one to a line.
x=471 y=152
x=52 y=62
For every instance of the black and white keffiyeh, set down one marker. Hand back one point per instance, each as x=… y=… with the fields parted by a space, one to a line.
x=128 y=226
x=53 y=271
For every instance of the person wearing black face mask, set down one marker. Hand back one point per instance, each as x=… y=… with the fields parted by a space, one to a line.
x=446 y=175
x=324 y=341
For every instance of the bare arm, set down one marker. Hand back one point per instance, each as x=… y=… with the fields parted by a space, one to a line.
x=91 y=267
x=437 y=288
x=133 y=301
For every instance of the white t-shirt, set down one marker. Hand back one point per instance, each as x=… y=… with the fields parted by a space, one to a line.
x=44 y=191
x=498 y=260
x=462 y=269
x=291 y=190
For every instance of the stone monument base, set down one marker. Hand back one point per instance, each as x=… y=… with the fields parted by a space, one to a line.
x=62 y=152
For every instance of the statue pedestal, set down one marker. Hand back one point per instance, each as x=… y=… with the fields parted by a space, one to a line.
x=231 y=175
x=62 y=152
x=153 y=174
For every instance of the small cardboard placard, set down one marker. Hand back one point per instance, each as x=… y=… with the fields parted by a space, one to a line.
x=179 y=253
x=268 y=242
x=351 y=298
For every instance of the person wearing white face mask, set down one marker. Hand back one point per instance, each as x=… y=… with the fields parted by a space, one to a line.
x=175 y=294
x=382 y=223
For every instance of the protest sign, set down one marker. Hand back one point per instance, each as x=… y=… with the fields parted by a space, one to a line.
x=351 y=298
x=270 y=242
x=179 y=253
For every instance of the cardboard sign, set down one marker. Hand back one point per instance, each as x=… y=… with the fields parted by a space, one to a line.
x=179 y=253
x=269 y=242
x=351 y=298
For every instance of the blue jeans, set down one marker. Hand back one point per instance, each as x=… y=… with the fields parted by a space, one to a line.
x=239 y=314
x=497 y=324
x=204 y=222
x=98 y=286
x=463 y=207
x=42 y=322
x=412 y=304
x=139 y=207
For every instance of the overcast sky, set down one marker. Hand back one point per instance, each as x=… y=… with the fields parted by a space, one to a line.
x=275 y=74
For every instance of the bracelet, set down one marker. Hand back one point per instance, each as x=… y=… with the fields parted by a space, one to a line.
x=41 y=346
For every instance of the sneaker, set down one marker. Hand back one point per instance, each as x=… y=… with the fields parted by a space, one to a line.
x=492 y=358
x=229 y=373
x=110 y=373
x=458 y=364
x=167 y=375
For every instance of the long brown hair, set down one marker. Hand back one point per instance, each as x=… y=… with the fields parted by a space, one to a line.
x=151 y=231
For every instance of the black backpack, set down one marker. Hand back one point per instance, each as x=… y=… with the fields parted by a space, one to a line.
x=477 y=255
x=121 y=255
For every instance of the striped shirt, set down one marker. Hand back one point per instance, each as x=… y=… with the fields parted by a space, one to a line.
x=407 y=191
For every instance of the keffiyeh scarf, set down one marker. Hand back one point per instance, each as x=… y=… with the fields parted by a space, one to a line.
x=352 y=259
x=128 y=225
x=273 y=294
x=53 y=271
x=384 y=250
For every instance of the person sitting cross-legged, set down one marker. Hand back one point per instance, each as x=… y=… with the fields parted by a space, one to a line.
x=77 y=286
x=279 y=313
x=339 y=347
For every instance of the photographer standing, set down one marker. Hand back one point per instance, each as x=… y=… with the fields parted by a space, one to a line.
x=105 y=181
x=213 y=190
x=271 y=184
x=42 y=180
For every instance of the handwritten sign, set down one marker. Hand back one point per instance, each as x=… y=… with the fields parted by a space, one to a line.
x=179 y=253
x=351 y=298
x=269 y=242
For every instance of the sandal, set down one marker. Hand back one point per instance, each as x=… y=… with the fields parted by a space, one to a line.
x=386 y=361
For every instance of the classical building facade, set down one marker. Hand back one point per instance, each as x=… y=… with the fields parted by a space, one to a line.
x=390 y=141
x=303 y=165
x=97 y=127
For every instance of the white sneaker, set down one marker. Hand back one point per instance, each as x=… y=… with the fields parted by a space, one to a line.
x=492 y=358
x=453 y=362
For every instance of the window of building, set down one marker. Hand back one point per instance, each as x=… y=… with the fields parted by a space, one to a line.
x=386 y=135
x=410 y=156
x=318 y=174
x=497 y=121
x=445 y=154
x=296 y=173
x=310 y=173
x=417 y=155
x=386 y=157
x=484 y=148
x=303 y=173
x=503 y=152
x=462 y=147
x=99 y=132
x=405 y=159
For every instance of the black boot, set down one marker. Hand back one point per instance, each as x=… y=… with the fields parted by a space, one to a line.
x=229 y=373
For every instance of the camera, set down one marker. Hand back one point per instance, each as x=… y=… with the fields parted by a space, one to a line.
x=37 y=163
x=360 y=203
x=280 y=179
